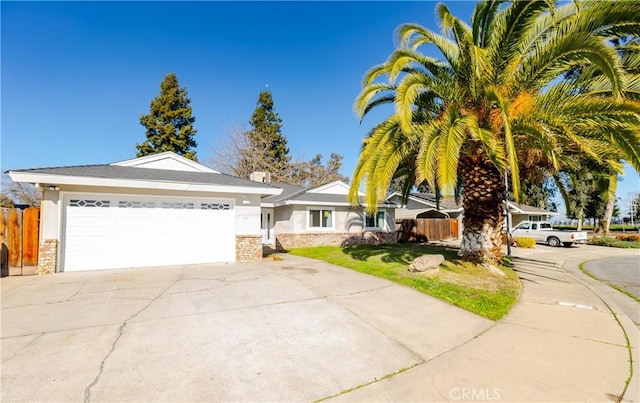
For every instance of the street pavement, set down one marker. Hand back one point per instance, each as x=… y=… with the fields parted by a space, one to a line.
x=623 y=272
x=304 y=330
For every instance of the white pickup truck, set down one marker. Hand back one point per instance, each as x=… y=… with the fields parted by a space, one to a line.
x=543 y=232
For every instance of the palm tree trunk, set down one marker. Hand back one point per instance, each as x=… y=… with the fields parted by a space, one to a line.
x=605 y=222
x=608 y=215
x=482 y=199
x=580 y=219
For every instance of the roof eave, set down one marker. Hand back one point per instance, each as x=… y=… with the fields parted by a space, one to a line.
x=53 y=179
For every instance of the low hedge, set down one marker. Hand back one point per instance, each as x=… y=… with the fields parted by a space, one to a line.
x=613 y=242
x=525 y=242
x=628 y=237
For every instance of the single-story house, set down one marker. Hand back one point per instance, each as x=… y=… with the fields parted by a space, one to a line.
x=321 y=215
x=423 y=205
x=522 y=212
x=156 y=210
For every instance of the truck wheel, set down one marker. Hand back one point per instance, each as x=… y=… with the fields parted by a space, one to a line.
x=567 y=244
x=553 y=241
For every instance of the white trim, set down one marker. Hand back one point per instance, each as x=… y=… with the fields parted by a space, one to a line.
x=137 y=184
x=309 y=228
x=315 y=203
x=141 y=161
x=61 y=216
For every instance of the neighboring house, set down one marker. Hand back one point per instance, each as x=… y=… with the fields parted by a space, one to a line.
x=522 y=212
x=321 y=215
x=423 y=205
x=156 y=210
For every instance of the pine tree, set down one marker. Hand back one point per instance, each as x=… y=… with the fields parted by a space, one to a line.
x=265 y=129
x=169 y=123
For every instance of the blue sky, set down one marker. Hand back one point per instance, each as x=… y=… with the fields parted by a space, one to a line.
x=76 y=76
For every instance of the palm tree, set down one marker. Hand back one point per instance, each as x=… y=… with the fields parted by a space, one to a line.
x=501 y=90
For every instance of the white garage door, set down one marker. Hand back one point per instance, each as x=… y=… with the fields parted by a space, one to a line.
x=104 y=232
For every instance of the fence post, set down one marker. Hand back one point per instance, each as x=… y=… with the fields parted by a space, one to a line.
x=4 y=219
x=30 y=240
x=15 y=240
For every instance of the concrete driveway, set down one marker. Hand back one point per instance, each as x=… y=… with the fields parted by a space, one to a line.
x=295 y=329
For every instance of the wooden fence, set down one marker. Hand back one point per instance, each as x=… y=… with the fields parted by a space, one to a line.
x=426 y=229
x=19 y=230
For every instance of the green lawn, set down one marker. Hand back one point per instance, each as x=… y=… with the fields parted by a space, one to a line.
x=463 y=284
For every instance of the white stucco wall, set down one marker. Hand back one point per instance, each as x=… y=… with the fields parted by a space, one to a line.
x=248 y=215
x=283 y=219
x=49 y=215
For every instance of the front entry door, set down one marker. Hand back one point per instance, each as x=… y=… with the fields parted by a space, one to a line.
x=266 y=225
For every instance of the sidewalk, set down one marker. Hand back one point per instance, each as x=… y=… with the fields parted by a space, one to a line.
x=561 y=342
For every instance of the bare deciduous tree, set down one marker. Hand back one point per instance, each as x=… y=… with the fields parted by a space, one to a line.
x=240 y=156
x=21 y=193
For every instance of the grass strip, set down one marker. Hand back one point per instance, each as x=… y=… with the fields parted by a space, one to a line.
x=463 y=284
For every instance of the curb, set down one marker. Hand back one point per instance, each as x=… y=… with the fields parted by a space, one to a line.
x=631 y=390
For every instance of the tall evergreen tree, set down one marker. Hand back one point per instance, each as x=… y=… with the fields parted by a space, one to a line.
x=169 y=123
x=266 y=134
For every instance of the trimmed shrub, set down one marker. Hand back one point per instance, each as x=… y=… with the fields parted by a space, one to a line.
x=628 y=237
x=615 y=243
x=525 y=242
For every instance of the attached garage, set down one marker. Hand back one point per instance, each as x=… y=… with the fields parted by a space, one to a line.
x=158 y=210
x=103 y=231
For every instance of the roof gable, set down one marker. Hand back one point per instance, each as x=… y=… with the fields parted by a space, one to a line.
x=168 y=161
x=334 y=188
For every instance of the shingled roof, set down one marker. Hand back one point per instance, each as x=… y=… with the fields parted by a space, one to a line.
x=300 y=195
x=107 y=171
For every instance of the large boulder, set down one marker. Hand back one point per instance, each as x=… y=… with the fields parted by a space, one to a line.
x=427 y=264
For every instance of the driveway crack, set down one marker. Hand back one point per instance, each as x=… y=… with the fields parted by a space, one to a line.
x=39 y=335
x=87 y=391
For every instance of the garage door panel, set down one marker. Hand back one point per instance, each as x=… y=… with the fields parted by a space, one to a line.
x=147 y=232
x=88 y=223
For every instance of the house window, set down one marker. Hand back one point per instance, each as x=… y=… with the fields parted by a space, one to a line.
x=178 y=205
x=375 y=221
x=89 y=203
x=135 y=204
x=320 y=218
x=214 y=206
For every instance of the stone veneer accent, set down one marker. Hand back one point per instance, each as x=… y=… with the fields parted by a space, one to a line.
x=248 y=248
x=47 y=256
x=287 y=241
